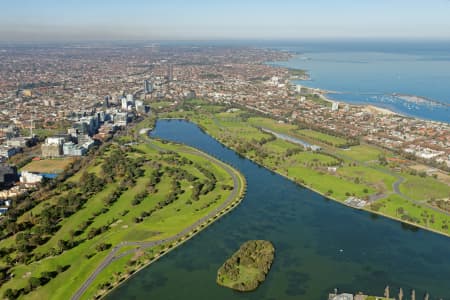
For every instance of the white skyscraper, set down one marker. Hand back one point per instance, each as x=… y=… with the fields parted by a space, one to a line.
x=130 y=99
x=124 y=103
x=335 y=106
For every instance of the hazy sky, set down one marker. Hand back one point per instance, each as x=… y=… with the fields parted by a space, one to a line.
x=35 y=20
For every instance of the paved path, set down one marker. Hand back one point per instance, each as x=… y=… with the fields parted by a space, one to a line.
x=112 y=256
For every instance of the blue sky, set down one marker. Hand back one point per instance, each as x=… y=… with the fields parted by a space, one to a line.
x=230 y=19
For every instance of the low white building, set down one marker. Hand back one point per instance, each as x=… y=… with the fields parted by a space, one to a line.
x=30 y=178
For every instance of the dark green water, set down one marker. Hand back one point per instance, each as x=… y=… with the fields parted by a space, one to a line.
x=308 y=232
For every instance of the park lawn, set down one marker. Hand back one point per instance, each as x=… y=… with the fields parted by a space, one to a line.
x=394 y=204
x=324 y=183
x=369 y=175
x=322 y=137
x=49 y=166
x=73 y=222
x=36 y=210
x=314 y=158
x=272 y=124
x=167 y=221
x=279 y=147
x=424 y=188
x=362 y=153
x=80 y=267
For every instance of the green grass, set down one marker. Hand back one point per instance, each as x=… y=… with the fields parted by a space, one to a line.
x=424 y=188
x=164 y=222
x=322 y=137
x=397 y=207
x=324 y=183
x=279 y=147
x=370 y=176
x=358 y=173
x=314 y=159
x=362 y=153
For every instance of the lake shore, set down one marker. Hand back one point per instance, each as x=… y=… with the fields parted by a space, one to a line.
x=321 y=193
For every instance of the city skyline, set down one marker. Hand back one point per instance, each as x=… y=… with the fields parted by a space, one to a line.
x=51 y=20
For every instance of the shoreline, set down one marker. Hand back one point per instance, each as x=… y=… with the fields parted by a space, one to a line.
x=369 y=107
x=419 y=226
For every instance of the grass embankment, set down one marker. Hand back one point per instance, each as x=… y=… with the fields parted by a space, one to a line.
x=172 y=190
x=334 y=172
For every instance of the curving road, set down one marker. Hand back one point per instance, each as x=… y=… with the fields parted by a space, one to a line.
x=112 y=256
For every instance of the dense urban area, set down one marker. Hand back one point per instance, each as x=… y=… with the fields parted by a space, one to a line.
x=58 y=105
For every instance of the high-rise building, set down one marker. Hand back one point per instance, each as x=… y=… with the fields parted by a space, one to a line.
x=170 y=72
x=335 y=106
x=140 y=108
x=121 y=119
x=148 y=87
x=53 y=147
x=106 y=102
x=130 y=99
x=124 y=103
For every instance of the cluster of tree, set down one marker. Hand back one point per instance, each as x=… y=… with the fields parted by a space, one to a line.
x=243 y=146
x=442 y=204
x=34 y=282
x=139 y=197
x=292 y=151
x=414 y=172
x=102 y=247
x=382 y=160
x=90 y=183
x=30 y=235
x=180 y=174
x=118 y=165
x=93 y=232
x=115 y=195
x=206 y=205
x=35 y=230
x=176 y=190
x=256 y=255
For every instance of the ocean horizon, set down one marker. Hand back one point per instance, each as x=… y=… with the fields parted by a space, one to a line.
x=411 y=78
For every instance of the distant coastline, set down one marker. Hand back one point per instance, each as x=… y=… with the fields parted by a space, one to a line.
x=404 y=104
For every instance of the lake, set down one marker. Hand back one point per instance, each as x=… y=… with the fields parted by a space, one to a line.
x=319 y=243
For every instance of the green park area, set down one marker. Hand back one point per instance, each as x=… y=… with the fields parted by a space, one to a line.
x=357 y=170
x=49 y=166
x=140 y=200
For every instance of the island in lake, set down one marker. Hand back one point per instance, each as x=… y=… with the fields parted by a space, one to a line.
x=248 y=267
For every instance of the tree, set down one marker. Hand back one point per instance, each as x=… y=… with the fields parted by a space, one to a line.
x=33 y=282
x=10 y=294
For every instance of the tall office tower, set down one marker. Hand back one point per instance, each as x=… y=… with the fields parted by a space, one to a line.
x=106 y=102
x=148 y=87
x=130 y=99
x=170 y=72
x=124 y=103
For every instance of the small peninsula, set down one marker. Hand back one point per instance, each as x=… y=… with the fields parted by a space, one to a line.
x=248 y=267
